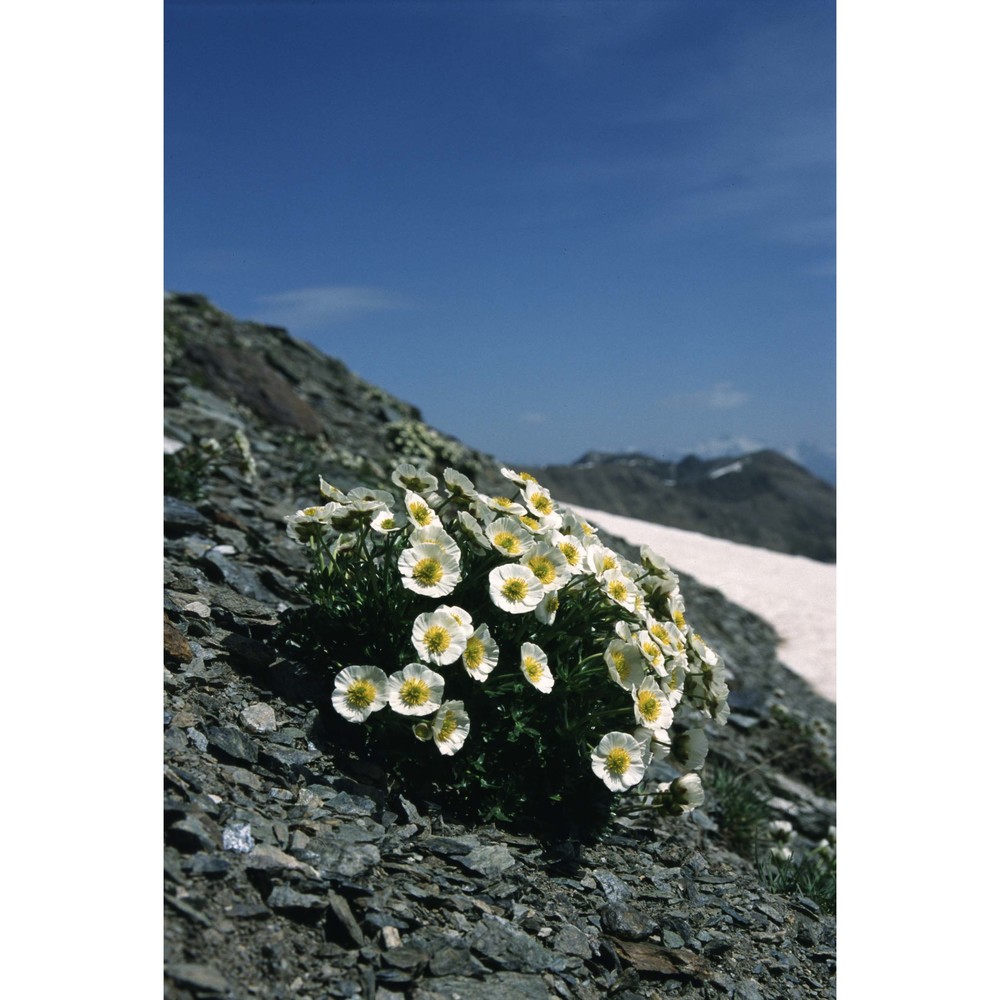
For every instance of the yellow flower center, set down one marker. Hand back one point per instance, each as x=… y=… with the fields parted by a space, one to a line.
x=428 y=572
x=543 y=568
x=618 y=761
x=617 y=590
x=621 y=664
x=437 y=639
x=413 y=692
x=311 y=511
x=651 y=650
x=421 y=514
x=502 y=501
x=679 y=619
x=649 y=705
x=448 y=725
x=474 y=653
x=660 y=632
x=515 y=589
x=507 y=541
x=571 y=552
x=541 y=503
x=529 y=521
x=360 y=694
x=533 y=669
x=608 y=562
x=387 y=523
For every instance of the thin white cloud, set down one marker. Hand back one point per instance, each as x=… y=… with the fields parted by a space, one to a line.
x=532 y=417
x=721 y=396
x=312 y=308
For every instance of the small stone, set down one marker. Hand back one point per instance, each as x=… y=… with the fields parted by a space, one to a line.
x=284 y=897
x=238 y=838
x=626 y=922
x=175 y=645
x=232 y=743
x=259 y=717
x=199 y=608
x=390 y=937
x=198 y=738
x=345 y=804
x=572 y=941
x=265 y=857
x=342 y=924
x=201 y=977
x=455 y=961
x=192 y=834
x=614 y=888
x=488 y=860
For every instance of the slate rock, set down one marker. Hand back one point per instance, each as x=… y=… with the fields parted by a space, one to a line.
x=498 y=986
x=259 y=718
x=200 y=977
x=489 y=860
x=455 y=961
x=231 y=742
x=337 y=859
x=623 y=921
x=505 y=946
x=175 y=645
x=180 y=518
x=570 y=940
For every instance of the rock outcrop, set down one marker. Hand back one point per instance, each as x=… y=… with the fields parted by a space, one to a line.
x=291 y=870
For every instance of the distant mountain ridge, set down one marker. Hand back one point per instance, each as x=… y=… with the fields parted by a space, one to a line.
x=761 y=498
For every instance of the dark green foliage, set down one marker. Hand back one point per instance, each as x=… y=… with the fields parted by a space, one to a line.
x=186 y=472
x=813 y=875
x=739 y=804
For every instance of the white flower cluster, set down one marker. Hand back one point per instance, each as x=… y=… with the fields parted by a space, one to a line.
x=531 y=557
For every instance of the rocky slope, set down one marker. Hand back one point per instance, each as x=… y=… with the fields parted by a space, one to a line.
x=291 y=871
x=762 y=499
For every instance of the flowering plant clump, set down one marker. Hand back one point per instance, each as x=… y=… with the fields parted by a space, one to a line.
x=497 y=657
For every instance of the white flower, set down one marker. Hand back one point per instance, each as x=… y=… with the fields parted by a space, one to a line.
x=654 y=562
x=535 y=667
x=650 y=706
x=667 y=634
x=415 y=690
x=618 y=761
x=426 y=569
x=521 y=478
x=548 y=564
x=434 y=534
x=359 y=691
x=515 y=588
x=409 y=477
x=625 y=664
x=656 y=742
x=363 y=499
x=419 y=513
x=538 y=500
x=507 y=536
x=781 y=831
x=460 y=485
x=383 y=521
x=600 y=560
x=461 y=616
x=707 y=656
x=650 y=650
x=310 y=522
x=546 y=611
x=672 y=683
x=440 y=638
x=450 y=727
x=469 y=527
x=331 y=492
x=481 y=654
x=783 y=853
x=571 y=548
x=689 y=750
x=621 y=590
x=685 y=793
x=503 y=505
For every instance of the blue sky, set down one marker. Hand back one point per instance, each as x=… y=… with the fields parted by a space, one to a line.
x=553 y=227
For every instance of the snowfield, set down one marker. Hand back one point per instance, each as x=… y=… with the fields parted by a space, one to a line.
x=796 y=595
